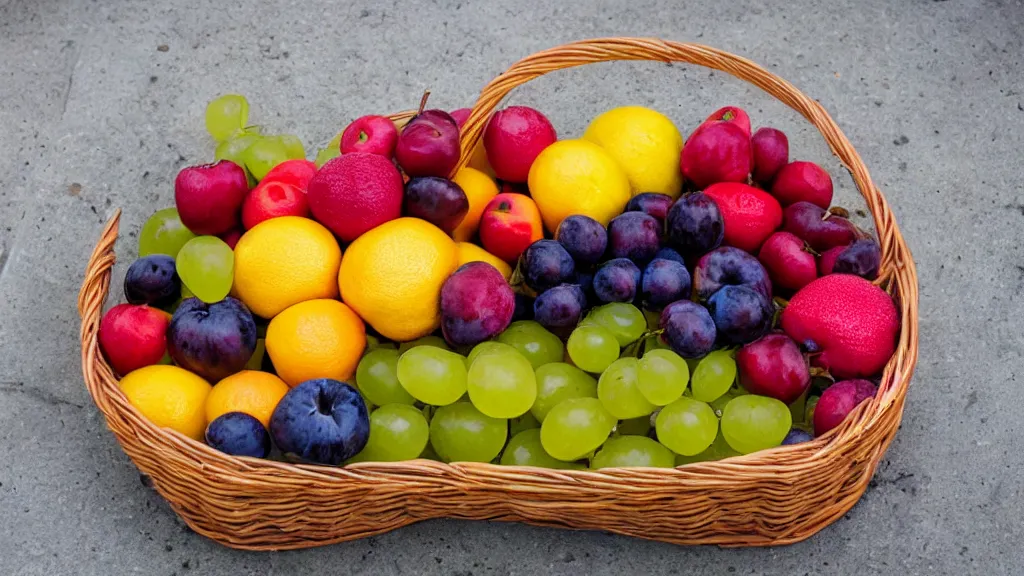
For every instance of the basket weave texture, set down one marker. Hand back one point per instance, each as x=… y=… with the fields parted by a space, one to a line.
x=777 y=496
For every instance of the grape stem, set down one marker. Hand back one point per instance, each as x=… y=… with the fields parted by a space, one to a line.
x=636 y=348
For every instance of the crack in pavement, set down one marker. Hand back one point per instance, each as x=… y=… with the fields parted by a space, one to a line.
x=37 y=393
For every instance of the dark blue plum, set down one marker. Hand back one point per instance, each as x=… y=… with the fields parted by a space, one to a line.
x=559 y=309
x=585 y=280
x=862 y=258
x=727 y=266
x=617 y=281
x=524 y=307
x=741 y=314
x=694 y=225
x=212 y=340
x=688 y=329
x=238 y=434
x=584 y=238
x=152 y=280
x=670 y=254
x=321 y=420
x=796 y=436
x=546 y=264
x=634 y=235
x=652 y=203
x=664 y=282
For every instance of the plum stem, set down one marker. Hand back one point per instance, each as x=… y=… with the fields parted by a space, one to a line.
x=839 y=211
x=423 y=101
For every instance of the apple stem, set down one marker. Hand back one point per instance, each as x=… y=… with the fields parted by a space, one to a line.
x=839 y=211
x=423 y=101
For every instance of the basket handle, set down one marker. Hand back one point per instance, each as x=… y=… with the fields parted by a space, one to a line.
x=608 y=49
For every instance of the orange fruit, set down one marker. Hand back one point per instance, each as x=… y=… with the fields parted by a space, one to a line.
x=169 y=397
x=469 y=252
x=479 y=189
x=249 y=391
x=315 y=339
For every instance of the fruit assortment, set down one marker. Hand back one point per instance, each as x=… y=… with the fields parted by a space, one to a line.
x=626 y=298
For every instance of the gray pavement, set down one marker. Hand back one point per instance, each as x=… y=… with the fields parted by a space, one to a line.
x=95 y=115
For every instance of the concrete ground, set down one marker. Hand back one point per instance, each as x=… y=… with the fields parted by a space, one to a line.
x=102 y=103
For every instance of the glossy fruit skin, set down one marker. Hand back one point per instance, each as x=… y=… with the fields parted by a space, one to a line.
x=808 y=222
x=773 y=366
x=750 y=215
x=510 y=223
x=546 y=264
x=271 y=199
x=689 y=329
x=838 y=401
x=617 y=280
x=694 y=225
x=862 y=258
x=476 y=304
x=238 y=434
x=584 y=238
x=354 y=193
x=209 y=197
x=514 y=137
x=729 y=266
x=429 y=145
x=634 y=235
x=439 y=201
x=133 y=336
x=851 y=322
x=803 y=182
x=729 y=114
x=796 y=436
x=211 y=340
x=740 y=313
x=664 y=282
x=322 y=421
x=370 y=134
x=789 y=265
x=152 y=280
x=295 y=172
x=717 y=152
x=559 y=309
x=828 y=258
x=771 y=152
x=651 y=203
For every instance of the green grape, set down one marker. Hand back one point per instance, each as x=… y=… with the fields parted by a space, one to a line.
x=687 y=426
x=751 y=423
x=263 y=155
x=662 y=376
x=256 y=360
x=798 y=408
x=487 y=347
x=371 y=342
x=525 y=422
x=377 y=378
x=809 y=408
x=429 y=340
x=502 y=384
x=592 y=348
x=525 y=449
x=397 y=432
x=718 y=404
x=186 y=293
x=461 y=433
x=206 y=265
x=617 y=388
x=233 y=149
x=653 y=318
x=163 y=233
x=575 y=427
x=634 y=426
x=559 y=381
x=718 y=450
x=714 y=375
x=226 y=115
x=293 y=146
x=534 y=342
x=625 y=321
x=325 y=155
x=432 y=375
x=335 y=143
x=633 y=451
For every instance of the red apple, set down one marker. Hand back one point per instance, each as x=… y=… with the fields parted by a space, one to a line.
x=231 y=237
x=773 y=366
x=370 y=134
x=803 y=182
x=789 y=264
x=209 y=197
x=429 y=145
x=771 y=153
x=297 y=172
x=731 y=114
x=272 y=199
x=510 y=223
x=513 y=139
x=838 y=401
x=133 y=336
x=716 y=152
x=460 y=116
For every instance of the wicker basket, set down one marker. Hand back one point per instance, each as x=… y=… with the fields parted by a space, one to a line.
x=776 y=496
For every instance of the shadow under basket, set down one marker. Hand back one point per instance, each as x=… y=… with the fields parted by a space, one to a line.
x=777 y=496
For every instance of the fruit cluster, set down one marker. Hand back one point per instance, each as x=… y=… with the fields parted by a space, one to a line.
x=608 y=301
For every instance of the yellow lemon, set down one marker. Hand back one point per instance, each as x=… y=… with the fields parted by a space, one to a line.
x=469 y=252
x=577 y=177
x=249 y=391
x=315 y=339
x=645 y=143
x=170 y=397
x=284 y=261
x=392 y=276
x=479 y=189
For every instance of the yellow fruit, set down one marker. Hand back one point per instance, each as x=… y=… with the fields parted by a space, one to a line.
x=169 y=397
x=577 y=177
x=469 y=252
x=479 y=189
x=645 y=143
x=284 y=261
x=315 y=339
x=392 y=276
x=479 y=161
x=254 y=393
